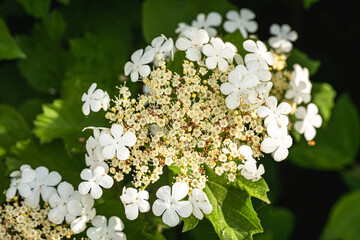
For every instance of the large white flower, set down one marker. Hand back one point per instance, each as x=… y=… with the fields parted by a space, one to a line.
x=20 y=181
x=43 y=185
x=249 y=170
x=258 y=52
x=162 y=47
x=283 y=36
x=58 y=202
x=200 y=203
x=300 y=85
x=242 y=20
x=93 y=180
x=310 y=120
x=82 y=208
x=192 y=42
x=135 y=201
x=169 y=205
x=273 y=113
x=94 y=100
x=277 y=143
x=116 y=143
x=137 y=66
x=217 y=54
x=208 y=22
x=106 y=230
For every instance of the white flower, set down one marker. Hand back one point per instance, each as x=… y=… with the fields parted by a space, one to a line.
x=116 y=143
x=93 y=180
x=310 y=120
x=249 y=169
x=283 y=37
x=21 y=182
x=233 y=88
x=300 y=85
x=137 y=65
x=43 y=185
x=169 y=204
x=242 y=20
x=58 y=202
x=200 y=203
x=256 y=95
x=213 y=19
x=181 y=28
x=277 y=143
x=273 y=113
x=82 y=208
x=162 y=47
x=192 y=42
x=106 y=230
x=94 y=100
x=217 y=53
x=258 y=52
x=134 y=201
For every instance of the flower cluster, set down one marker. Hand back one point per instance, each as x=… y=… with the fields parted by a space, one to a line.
x=40 y=206
x=206 y=108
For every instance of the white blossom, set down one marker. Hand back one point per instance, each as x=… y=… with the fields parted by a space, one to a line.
x=181 y=28
x=217 y=54
x=233 y=88
x=242 y=20
x=94 y=100
x=200 y=203
x=20 y=181
x=208 y=22
x=135 y=201
x=82 y=208
x=106 y=230
x=283 y=36
x=137 y=66
x=58 y=202
x=258 y=52
x=249 y=170
x=273 y=113
x=43 y=185
x=162 y=48
x=277 y=143
x=192 y=42
x=300 y=85
x=310 y=119
x=169 y=205
x=115 y=143
x=94 y=180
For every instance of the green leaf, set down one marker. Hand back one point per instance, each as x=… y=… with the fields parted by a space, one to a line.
x=351 y=177
x=163 y=16
x=36 y=8
x=308 y=3
x=323 y=96
x=8 y=47
x=278 y=223
x=344 y=219
x=336 y=144
x=13 y=127
x=47 y=59
x=190 y=223
x=303 y=60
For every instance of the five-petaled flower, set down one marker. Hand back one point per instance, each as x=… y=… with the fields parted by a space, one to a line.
x=242 y=20
x=283 y=36
x=208 y=22
x=137 y=66
x=200 y=203
x=106 y=230
x=258 y=52
x=93 y=180
x=310 y=119
x=94 y=100
x=192 y=42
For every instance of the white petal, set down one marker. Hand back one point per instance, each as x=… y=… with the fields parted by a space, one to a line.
x=109 y=152
x=250 y=46
x=75 y=207
x=183 y=208
x=179 y=190
x=144 y=206
x=280 y=154
x=226 y=88
x=79 y=224
x=158 y=207
x=65 y=189
x=106 y=181
x=95 y=233
x=84 y=187
x=144 y=70
x=246 y=151
x=122 y=153
x=170 y=218
x=269 y=145
x=99 y=221
x=164 y=192
x=129 y=139
x=53 y=178
x=116 y=223
x=193 y=54
x=10 y=193
x=86 y=174
x=233 y=100
x=24 y=191
x=95 y=192
x=128 y=68
x=147 y=57
x=310 y=133
x=135 y=57
x=56 y=216
x=132 y=211
x=183 y=44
